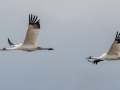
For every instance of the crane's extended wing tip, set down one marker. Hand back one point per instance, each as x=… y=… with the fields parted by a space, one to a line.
x=33 y=21
x=117 y=38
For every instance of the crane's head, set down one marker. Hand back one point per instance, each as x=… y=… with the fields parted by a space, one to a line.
x=90 y=57
x=3 y=49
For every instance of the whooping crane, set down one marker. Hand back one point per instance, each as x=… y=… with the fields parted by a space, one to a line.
x=30 y=42
x=113 y=53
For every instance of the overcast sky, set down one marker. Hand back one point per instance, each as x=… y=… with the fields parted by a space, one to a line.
x=76 y=29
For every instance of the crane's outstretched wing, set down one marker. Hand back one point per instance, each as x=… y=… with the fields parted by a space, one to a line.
x=33 y=31
x=114 y=49
x=10 y=43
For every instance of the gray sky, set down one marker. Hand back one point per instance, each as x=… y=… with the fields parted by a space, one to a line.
x=76 y=29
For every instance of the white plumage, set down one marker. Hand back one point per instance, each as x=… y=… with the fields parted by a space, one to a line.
x=30 y=42
x=113 y=53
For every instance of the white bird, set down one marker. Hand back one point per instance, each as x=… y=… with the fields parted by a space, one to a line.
x=113 y=53
x=30 y=42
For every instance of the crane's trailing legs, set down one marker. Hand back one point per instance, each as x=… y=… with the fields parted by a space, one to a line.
x=95 y=62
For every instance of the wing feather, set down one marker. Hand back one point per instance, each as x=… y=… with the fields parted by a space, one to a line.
x=10 y=43
x=114 y=49
x=33 y=31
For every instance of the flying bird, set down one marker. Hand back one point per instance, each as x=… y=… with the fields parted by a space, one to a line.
x=30 y=42
x=112 y=54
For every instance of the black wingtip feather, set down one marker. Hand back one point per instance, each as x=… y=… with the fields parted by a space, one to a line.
x=33 y=21
x=34 y=18
x=117 y=38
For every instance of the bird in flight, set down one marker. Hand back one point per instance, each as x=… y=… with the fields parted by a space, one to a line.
x=112 y=54
x=30 y=42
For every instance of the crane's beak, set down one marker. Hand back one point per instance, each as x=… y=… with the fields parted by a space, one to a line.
x=88 y=58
